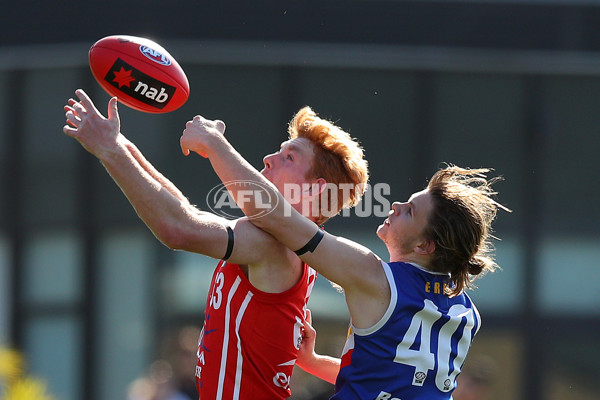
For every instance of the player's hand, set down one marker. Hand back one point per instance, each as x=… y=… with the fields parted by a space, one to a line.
x=85 y=123
x=199 y=134
x=306 y=354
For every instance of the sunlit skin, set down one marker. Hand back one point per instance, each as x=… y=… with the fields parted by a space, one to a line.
x=291 y=165
x=167 y=212
x=402 y=230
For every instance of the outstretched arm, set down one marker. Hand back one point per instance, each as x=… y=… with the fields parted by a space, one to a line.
x=154 y=173
x=156 y=200
x=342 y=261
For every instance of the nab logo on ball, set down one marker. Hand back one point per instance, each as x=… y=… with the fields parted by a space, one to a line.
x=139 y=85
x=141 y=73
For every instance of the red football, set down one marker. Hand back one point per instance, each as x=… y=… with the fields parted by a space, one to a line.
x=142 y=74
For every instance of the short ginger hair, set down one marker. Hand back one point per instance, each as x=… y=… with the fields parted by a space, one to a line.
x=339 y=159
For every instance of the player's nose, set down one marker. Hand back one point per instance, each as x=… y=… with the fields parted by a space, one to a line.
x=396 y=207
x=269 y=161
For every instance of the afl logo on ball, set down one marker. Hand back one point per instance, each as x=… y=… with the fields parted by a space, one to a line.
x=155 y=56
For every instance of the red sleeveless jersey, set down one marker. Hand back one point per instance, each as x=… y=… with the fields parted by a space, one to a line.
x=250 y=339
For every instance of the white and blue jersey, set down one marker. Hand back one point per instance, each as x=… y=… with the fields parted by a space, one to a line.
x=417 y=349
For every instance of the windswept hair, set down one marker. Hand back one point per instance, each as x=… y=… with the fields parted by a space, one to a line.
x=460 y=224
x=339 y=158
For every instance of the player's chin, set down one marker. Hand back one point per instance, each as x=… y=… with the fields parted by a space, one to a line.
x=380 y=230
x=264 y=173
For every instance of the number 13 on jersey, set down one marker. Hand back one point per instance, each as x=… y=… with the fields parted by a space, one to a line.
x=424 y=358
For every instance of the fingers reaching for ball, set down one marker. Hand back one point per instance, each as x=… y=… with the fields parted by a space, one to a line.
x=98 y=134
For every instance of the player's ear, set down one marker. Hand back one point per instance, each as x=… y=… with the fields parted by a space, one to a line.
x=425 y=247
x=316 y=188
